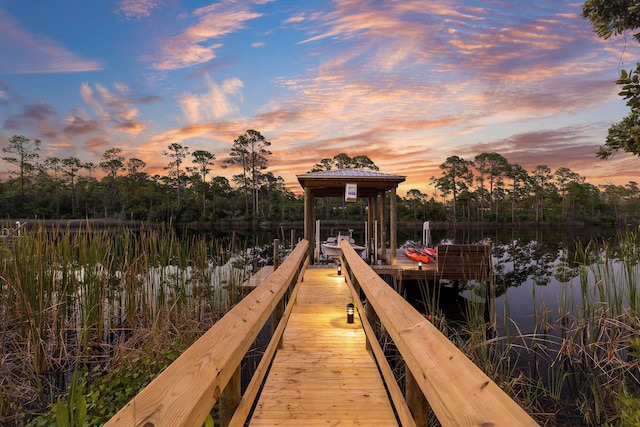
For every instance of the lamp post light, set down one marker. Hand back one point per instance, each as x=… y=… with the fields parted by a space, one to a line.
x=350 y=309
x=339 y=269
x=419 y=265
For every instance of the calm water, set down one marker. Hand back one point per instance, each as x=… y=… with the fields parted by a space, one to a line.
x=530 y=265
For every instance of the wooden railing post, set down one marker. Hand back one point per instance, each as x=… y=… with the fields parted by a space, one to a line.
x=230 y=398
x=372 y=318
x=415 y=400
x=276 y=254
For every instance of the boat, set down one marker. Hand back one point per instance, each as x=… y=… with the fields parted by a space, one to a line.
x=424 y=255
x=331 y=247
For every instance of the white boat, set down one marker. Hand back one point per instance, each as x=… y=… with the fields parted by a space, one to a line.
x=331 y=247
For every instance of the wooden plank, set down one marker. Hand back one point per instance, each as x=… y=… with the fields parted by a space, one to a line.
x=248 y=398
x=323 y=374
x=260 y=276
x=404 y=415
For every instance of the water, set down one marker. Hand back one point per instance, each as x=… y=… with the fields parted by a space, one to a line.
x=531 y=265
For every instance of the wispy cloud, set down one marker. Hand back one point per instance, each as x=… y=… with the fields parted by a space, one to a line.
x=8 y=95
x=137 y=8
x=198 y=43
x=24 y=52
x=114 y=106
x=214 y=103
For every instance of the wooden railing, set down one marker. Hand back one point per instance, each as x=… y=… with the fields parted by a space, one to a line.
x=185 y=392
x=438 y=374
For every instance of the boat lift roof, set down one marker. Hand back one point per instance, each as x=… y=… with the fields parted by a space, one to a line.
x=332 y=183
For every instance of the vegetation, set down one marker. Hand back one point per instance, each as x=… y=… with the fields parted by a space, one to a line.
x=579 y=366
x=97 y=302
x=105 y=311
x=615 y=18
x=485 y=189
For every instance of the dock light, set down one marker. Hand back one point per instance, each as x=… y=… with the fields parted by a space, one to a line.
x=339 y=269
x=419 y=265
x=350 y=308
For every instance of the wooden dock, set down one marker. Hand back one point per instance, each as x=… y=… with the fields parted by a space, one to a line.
x=323 y=373
x=318 y=369
x=454 y=262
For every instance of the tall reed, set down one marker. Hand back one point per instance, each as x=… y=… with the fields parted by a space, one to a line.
x=70 y=299
x=579 y=363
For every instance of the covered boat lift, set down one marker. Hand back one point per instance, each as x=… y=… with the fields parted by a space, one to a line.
x=352 y=184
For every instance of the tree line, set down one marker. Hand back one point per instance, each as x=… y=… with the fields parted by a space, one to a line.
x=485 y=189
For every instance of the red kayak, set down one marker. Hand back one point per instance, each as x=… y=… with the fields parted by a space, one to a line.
x=425 y=255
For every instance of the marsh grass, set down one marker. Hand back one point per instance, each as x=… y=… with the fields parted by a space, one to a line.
x=579 y=364
x=74 y=301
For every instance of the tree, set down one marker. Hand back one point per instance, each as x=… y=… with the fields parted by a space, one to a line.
x=71 y=166
x=614 y=195
x=541 y=180
x=343 y=161
x=250 y=152
x=494 y=166
x=456 y=178
x=416 y=199
x=178 y=153
x=615 y=18
x=519 y=177
x=203 y=159
x=135 y=167
x=565 y=176
x=55 y=164
x=112 y=163
x=26 y=152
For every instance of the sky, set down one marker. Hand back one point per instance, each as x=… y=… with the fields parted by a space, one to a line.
x=406 y=83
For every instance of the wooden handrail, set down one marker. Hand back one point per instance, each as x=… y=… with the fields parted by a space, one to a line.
x=184 y=393
x=458 y=392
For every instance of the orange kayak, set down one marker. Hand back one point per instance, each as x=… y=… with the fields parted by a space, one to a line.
x=426 y=255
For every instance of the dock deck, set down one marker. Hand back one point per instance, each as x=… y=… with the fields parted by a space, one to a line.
x=323 y=374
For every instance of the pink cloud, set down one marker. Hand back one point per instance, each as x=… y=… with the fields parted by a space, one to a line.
x=137 y=8
x=194 y=45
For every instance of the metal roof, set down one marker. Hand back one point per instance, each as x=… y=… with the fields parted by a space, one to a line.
x=332 y=182
x=351 y=173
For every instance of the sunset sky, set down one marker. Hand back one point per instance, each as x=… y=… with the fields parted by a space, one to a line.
x=407 y=83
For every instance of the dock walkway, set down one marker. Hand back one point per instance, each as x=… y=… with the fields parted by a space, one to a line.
x=323 y=373
x=318 y=369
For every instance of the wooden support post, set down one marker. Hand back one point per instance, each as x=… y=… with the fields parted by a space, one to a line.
x=416 y=401
x=276 y=254
x=374 y=229
x=393 y=219
x=372 y=318
x=278 y=311
x=309 y=219
x=383 y=228
x=230 y=398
